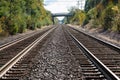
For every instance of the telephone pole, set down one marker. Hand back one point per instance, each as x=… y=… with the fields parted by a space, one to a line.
x=79 y=4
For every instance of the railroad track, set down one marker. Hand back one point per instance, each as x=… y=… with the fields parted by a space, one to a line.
x=21 y=38
x=98 y=60
x=9 y=50
x=15 y=59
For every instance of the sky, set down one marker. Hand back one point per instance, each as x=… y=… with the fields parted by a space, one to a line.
x=62 y=6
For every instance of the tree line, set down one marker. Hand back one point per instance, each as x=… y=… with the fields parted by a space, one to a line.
x=77 y=18
x=18 y=15
x=103 y=14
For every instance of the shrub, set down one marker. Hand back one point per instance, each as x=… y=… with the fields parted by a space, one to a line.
x=116 y=19
x=1 y=28
x=108 y=15
x=22 y=28
x=4 y=33
x=13 y=29
x=86 y=21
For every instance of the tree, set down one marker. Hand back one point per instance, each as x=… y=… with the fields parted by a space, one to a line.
x=103 y=13
x=78 y=16
x=17 y=15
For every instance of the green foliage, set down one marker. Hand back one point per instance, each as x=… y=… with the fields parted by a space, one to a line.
x=91 y=4
x=116 y=19
x=17 y=15
x=108 y=15
x=78 y=16
x=86 y=21
x=22 y=28
x=64 y=20
x=105 y=13
x=92 y=13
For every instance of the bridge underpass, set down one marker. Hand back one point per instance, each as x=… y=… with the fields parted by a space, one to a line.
x=67 y=15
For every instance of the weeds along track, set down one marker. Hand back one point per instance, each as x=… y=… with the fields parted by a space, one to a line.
x=97 y=59
x=14 y=59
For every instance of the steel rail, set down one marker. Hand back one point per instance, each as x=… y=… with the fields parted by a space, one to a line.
x=103 y=68
x=117 y=48
x=14 y=60
x=6 y=45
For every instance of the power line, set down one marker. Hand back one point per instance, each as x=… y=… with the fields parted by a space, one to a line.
x=80 y=4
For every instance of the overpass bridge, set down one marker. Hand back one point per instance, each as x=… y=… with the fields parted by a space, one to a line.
x=61 y=14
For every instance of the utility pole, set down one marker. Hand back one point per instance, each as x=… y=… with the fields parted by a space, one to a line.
x=81 y=4
x=78 y=3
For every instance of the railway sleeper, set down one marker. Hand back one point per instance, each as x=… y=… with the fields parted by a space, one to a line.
x=110 y=62
x=89 y=68
x=95 y=78
x=109 y=58
x=18 y=69
x=21 y=64
x=118 y=74
x=87 y=65
x=115 y=69
x=10 y=78
x=115 y=55
x=22 y=67
x=91 y=71
x=13 y=75
x=15 y=72
x=113 y=66
x=92 y=74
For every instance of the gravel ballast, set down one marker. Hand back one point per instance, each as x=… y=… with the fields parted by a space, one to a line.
x=54 y=60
